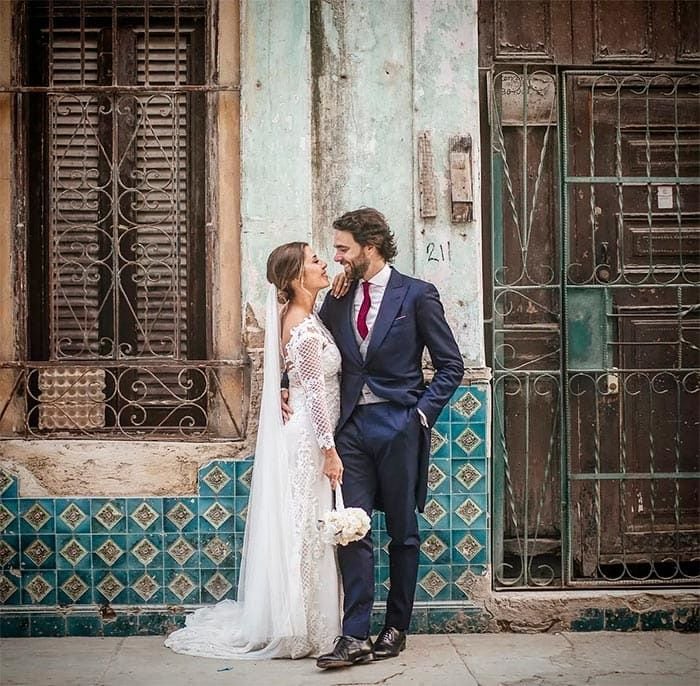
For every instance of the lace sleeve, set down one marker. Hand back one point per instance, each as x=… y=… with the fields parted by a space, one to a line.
x=306 y=357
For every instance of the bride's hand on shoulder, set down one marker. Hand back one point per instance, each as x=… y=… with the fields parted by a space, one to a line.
x=333 y=467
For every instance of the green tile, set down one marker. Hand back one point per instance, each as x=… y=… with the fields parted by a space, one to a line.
x=454 y=621
x=154 y=624
x=591 y=619
x=121 y=625
x=621 y=619
x=14 y=625
x=47 y=625
x=419 y=621
x=687 y=620
x=657 y=620
x=83 y=625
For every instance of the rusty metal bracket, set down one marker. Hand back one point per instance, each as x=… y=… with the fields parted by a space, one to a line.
x=426 y=176
x=461 y=179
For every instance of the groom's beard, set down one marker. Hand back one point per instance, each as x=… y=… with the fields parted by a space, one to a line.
x=357 y=270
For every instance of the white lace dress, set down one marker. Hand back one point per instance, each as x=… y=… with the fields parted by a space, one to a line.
x=289 y=607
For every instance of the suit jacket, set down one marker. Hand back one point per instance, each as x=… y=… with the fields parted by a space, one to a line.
x=410 y=319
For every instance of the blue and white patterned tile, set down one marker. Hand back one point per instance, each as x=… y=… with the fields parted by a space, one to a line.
x=144 y=550
x=243 y=476
x=39 y=587
x=180 y=514
x=218 y=584
x=144 y=515
x=468 y=405
x=9 y=551
x=8 y=484
x=439 y=476
x=436 y=513
x=216 y=514
x=240 y=506
x=181 y=551
x=145 y=586
x=469 y=547
x=38 y=551
x=440 y=440
x=381 y=583
x=110 y=585
x=109 y=551
x=108 y=515
x=10 y=588
x=72 y=515
x=182 y=586
x=433 y=582
x=435 y=548
x=214 y=480
x=468 y=441
x=73 y=552
x=74 y=587
x=216 y=550
x=36 y=516
x=9 y=516
x=468 y=511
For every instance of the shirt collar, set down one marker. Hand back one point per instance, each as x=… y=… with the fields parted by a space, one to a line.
x=381 y=278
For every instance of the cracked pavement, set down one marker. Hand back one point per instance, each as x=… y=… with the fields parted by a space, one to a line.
x=661 y=658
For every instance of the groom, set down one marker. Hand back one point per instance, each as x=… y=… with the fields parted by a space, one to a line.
x=381 y=327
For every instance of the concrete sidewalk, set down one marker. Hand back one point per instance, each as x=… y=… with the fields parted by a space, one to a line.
x=593 y=659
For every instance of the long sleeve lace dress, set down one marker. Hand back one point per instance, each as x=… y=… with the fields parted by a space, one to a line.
x=289 y=593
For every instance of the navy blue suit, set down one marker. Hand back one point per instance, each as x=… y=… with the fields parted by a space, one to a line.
x=384 y=447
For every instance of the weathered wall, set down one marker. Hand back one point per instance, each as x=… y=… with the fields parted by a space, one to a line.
x=275 y=135
x=369 y=77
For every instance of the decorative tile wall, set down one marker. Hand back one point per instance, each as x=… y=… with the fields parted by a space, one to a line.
x=78 y=553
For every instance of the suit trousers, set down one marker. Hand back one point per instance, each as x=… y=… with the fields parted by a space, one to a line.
x=379 y=448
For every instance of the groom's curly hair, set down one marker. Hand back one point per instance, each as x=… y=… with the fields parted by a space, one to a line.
x=369 y=227
x=284 y=265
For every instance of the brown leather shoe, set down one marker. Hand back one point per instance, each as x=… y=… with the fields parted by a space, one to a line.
x=346 y=652
x=389 y=643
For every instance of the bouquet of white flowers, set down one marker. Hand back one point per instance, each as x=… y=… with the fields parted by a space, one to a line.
x=343 y=525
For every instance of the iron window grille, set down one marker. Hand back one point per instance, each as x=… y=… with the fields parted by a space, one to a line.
x=113 y=105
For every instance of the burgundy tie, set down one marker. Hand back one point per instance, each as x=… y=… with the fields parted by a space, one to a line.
x=362 y=314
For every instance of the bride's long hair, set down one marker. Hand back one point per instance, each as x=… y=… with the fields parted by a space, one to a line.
x=284 y=265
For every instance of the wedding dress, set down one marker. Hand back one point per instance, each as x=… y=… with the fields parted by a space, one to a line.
x=288 y=602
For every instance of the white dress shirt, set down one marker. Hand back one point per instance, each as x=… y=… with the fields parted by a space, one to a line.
x=377 y=286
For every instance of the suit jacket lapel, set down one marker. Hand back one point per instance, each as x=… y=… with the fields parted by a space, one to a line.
x=391 y=302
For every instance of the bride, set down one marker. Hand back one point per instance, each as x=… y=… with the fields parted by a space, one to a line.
x=288 y=594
